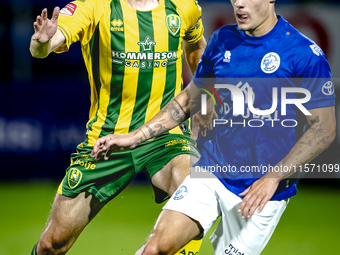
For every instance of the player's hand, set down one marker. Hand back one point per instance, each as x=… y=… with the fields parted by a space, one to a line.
x=112 y=143
x=257 y=195
x=44 y=29
x=200 y=123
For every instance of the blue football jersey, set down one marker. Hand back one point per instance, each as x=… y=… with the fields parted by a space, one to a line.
x=271 y=71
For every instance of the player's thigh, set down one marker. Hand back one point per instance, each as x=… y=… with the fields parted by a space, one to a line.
x=104 y=179
x=166 y=161
x=173 y=173
x=248 y=236
x=68 y=217
x=188 y=214
x=196 y=198
x=172 y=231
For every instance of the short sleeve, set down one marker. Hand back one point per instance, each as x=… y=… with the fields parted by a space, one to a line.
x=193 y=25
x=315 y=76
x=78 y=19
x=204 y=68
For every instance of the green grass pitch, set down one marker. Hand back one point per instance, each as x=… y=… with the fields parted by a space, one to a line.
x=310 y=225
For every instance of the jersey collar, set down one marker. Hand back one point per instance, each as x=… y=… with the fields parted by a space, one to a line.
x=261 y=39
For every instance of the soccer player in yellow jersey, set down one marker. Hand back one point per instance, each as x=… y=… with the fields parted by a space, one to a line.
x=133 y=54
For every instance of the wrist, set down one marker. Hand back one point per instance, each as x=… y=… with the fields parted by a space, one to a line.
x=274 y=176
x=139 y=136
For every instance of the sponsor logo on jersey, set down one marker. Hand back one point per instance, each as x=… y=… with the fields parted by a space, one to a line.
x=116 y=25
x=147 y=44
x=227 y=56
x=173 y=22
x=69 y=9
x=232 y=250
x=86 y=163
x=316 y=49
x=147 y=58
x=186 y=148
x=328 y=88
x=270 y=62
x=174 y=142
x=74 y=177
x=181 y=193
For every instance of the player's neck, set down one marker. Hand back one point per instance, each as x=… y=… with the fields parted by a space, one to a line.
x=143 y=5
x=265 y=27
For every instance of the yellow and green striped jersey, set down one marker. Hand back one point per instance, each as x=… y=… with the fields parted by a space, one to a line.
x=133 y=58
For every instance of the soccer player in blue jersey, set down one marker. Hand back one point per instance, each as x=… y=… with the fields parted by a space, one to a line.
x=266 y=74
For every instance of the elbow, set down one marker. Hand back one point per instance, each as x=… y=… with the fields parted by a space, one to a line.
x=332 y=130
x=331 y=124
x=332 y=135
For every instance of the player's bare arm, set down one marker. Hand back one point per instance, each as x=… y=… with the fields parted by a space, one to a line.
x=200 y=123
x=193 y=53
x=170 y=116
x=316 y=139
x=47 y=37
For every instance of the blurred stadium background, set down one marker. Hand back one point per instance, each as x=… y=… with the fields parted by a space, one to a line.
x=43 y=111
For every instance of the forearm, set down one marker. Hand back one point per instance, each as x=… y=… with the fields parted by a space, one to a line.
x=314 y=141
x=170 y=116
x=42 y=50
x=194 y=53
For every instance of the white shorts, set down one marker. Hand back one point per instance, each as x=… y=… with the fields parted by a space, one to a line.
x=206 y=199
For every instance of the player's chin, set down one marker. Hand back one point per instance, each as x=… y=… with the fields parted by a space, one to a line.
x=243 y=27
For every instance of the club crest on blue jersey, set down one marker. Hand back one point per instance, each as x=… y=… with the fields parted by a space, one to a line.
x=270 y=62
x=328 y=88
x=181 y=192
